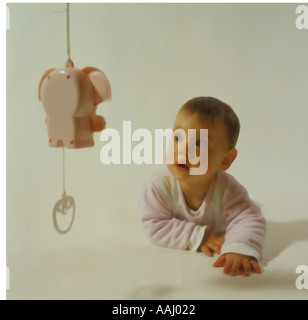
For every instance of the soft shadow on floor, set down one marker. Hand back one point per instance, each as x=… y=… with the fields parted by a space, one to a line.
x=280 y=235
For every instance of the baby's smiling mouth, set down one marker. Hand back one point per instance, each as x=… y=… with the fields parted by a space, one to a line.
x=182 y=167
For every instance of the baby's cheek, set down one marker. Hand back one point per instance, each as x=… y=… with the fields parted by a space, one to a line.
x=213 y=162
x=169 y=167
x=171 y=154
x=200 y=156
x=199 y=163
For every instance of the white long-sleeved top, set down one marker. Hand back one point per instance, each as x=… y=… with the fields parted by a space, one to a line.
x=226 y=210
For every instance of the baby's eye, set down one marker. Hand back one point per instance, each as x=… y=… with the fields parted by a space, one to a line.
x=201 y=143
x=177 y=138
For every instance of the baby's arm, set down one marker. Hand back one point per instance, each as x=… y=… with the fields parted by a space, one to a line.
x=160 y=225
x=245 y=233
x=233 y=263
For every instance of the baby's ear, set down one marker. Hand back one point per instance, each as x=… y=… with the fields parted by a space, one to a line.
x=230 y=156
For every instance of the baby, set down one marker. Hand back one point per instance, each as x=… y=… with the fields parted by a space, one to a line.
x=209 y=212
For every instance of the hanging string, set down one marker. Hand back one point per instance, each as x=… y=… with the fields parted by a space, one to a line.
x=68 y=43
x=68 y=48
x=63 y=176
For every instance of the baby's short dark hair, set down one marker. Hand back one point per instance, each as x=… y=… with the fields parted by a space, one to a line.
x=212 y=108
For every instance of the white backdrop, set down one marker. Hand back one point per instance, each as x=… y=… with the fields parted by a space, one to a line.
x=156 y=56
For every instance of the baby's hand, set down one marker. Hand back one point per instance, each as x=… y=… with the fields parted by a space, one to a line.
x=233 y=263
x=210 y=243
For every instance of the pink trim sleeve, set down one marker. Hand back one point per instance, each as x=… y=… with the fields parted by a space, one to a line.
x=160 y=226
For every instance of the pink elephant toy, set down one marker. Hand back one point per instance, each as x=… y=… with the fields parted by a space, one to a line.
x=70 y=97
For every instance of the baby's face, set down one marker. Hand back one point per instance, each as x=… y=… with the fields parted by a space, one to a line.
x=213 y=146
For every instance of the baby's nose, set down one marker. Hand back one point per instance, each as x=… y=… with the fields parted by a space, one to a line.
x=182 y=153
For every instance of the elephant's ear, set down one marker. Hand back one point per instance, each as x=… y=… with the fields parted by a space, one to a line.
x=100 y=83
x=46 y=73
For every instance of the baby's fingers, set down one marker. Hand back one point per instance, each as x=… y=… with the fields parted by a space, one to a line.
x=206 y=250
x=255 y=266
x=246 y=267
x=220 y=262
x=214 y=247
